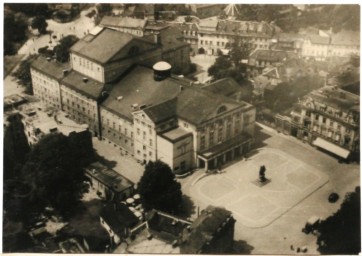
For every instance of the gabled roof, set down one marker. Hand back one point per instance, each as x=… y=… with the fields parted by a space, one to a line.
x=196 y=105
x=103 y=46
x=208 y=23
x=162 y=111
x=52 y=68
x=225 y=86
x=270 y=55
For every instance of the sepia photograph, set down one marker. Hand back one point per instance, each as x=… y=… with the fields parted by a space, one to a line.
x=188 y=128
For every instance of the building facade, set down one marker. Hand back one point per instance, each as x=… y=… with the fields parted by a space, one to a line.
x=214 y=35
x=327 y=118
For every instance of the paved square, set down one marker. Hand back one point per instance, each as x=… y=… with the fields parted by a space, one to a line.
x=291 y=181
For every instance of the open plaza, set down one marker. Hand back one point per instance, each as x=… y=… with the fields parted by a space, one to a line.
x=270 y=218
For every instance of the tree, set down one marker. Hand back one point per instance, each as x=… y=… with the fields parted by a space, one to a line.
x=341 y=232
x=220 y=68
x=62 y=49
x=15 y=27
x=54 y=171
x=39 y=23
x=159 y=189
x=23 y=73
x=16 y=146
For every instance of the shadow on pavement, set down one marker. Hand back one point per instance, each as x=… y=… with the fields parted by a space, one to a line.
x=106 y=162
x=260 y=137
x=242 y=247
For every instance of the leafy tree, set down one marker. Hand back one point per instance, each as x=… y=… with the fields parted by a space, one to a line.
x=15 y=27
x=30 y=9
x=103 y=9
x=54 y=170
x=341 y=232
x=39 y=23
x=24 y=75
x=159 y=189
x=188 y=19
x=62 y=49
x=231 y=65
x=16 y=146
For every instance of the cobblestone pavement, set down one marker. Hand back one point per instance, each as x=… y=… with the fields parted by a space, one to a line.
x=286 y=230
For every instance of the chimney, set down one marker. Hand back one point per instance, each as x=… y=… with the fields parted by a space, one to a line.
x=85 y=79
x=65 y=72
x=157 y=38
x=181 y=88
x=49 y=59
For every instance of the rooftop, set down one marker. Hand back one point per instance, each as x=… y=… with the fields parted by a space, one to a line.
x=271 y=56
x=51 y=121
x=91 y=88
x=109 y=177
x=144 y=91
x=163 y=111
x=126 y=22
x=204 y=227
x=176 y=134
x=143 y=245
x=338 y=98
x=118 y=217
x=52 y=68
x=94 y=48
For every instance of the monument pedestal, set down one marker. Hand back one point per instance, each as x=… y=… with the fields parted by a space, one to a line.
x=260 y=183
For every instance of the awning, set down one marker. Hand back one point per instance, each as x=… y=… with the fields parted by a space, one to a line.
x=331 y=147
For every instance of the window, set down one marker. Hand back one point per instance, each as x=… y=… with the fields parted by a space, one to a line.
x=202 y=142
x=219 y=134
x=150 y=153
x=186 y=125
x=211 y=137
x=324 y=120
x=316 y=117
x=144 y=147
x=246 y=119
x=138 y=131
x=150 y=142
x=144 y=135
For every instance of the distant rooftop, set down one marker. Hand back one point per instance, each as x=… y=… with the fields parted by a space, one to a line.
x=345 y=37
x=337 y=98
x=124 y=22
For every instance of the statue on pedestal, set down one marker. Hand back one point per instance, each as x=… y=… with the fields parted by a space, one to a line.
x=262 y=174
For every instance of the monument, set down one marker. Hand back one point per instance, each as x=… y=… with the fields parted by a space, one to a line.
x=262 y=181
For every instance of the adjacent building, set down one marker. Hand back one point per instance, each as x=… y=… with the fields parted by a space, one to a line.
x=327 y=118
x=211 y=233
x=109 y=184
x=218 y=34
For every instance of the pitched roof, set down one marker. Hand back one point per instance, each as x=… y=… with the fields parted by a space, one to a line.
x=52 y=68
x=90 y=88
x=162 y=111
x=225 y=86
x=196 y=105
x=118 y=217
x=103 y=46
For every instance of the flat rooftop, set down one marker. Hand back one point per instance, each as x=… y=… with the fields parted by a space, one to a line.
x=176 y=134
